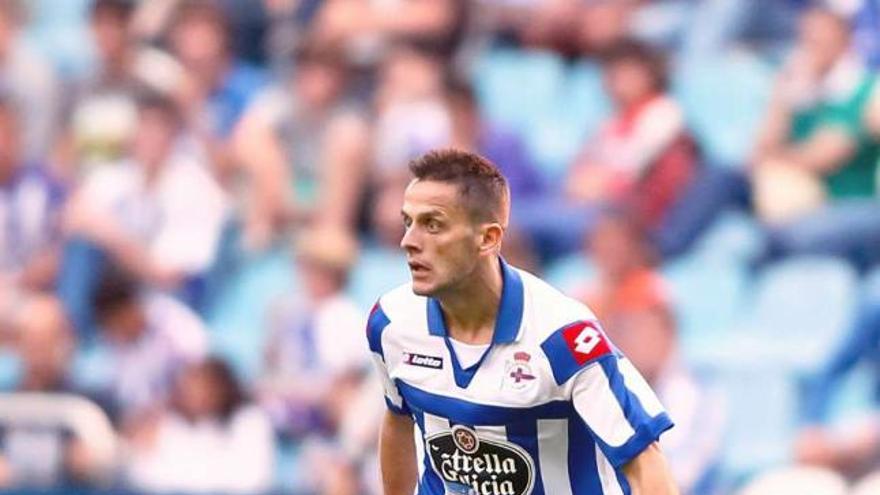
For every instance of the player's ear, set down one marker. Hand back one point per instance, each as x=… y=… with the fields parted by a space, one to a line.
x=491 y=235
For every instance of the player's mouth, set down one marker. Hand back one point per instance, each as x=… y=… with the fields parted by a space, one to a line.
x=418 y=268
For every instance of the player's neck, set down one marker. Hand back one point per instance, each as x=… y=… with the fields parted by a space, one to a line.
x=470 y=310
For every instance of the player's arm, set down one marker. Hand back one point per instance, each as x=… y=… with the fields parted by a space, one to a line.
x=397 y=455
x=613 y=400
x=649 y=474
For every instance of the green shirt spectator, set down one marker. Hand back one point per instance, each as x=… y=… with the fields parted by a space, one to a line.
x=858 y=176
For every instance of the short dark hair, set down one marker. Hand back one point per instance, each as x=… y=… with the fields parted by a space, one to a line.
x=148 y=100
x=460 y=90
x=121 y=9
x=630 y=50
x=482 y=187
x=116 y=289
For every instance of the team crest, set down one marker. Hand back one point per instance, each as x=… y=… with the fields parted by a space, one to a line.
x=518 y=373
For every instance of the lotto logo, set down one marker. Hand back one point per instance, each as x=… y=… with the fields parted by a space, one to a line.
x=586 y=341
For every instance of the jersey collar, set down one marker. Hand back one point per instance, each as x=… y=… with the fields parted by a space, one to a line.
x=510 y=310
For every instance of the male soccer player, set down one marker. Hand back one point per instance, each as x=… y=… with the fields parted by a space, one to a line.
x=514 y=387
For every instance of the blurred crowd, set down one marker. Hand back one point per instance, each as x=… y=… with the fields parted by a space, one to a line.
x=200 y=199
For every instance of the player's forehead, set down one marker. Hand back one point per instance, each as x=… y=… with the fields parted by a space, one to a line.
x=423 y=197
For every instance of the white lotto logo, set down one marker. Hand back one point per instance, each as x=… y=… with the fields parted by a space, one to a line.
x=587 y=340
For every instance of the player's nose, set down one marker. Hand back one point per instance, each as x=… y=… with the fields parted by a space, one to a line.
x=408 y=241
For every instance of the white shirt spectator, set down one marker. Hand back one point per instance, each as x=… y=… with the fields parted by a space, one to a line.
x=180 y=218
x=207 y=456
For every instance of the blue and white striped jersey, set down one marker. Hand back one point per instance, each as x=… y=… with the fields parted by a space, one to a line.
x=551 y=407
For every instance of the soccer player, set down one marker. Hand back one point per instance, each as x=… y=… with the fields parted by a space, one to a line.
x=514 y=387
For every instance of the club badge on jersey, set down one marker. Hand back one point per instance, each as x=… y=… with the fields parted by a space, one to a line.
x=518 y=373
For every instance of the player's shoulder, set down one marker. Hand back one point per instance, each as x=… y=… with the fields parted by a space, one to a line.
x=551 y=309
x=400 y=307
x=567 y=331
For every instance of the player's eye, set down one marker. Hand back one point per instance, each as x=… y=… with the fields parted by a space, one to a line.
x=407 y=221
x=432 y=226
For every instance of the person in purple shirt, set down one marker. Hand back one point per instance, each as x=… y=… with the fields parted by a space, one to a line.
x=507 y=149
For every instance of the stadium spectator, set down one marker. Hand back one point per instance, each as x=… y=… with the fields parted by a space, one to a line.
x=216 y=88
x=624 y=265
x=30 y=203
x=159 y=213
x=101 y=109
x=642 y=157
x=210 y=439
x=306 y=140
x=364 y=28
x=45 y=449
x=632 y=301
x=411 y=113
x=150 y=338
x=314 y=368
x=311 y=362
x=471 y=131
x=31 y=82
x=817 y=155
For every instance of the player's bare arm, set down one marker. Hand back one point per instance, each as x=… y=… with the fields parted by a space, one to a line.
x=648 y=473
x=397 y=456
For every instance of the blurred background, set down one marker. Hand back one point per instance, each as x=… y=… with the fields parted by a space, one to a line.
x=199 y=202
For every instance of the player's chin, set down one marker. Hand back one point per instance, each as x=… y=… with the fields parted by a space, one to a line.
x=422 y=288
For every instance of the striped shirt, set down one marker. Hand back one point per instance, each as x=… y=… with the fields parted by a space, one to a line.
x=552 y=407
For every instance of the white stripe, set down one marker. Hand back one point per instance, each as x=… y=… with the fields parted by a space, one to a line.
x=388 y=386
x=598 y=407
x=435 y=424
x=607 y=475
x=553 y=455
x=637 y=384
x=492 y=432
x=420 y=449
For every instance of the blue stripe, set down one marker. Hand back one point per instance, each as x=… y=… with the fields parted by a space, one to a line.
x=583 y=472
x=647 y=429
x=562 y=361
x=525 y=434
x=402 y=411
x=507 y=323
x=461 y=411
x=430 y=483
x=623 y=482
x=558 y=352
x=376 y=324
x=464 y=376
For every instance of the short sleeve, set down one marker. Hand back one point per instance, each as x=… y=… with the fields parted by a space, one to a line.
x=619 y=408
x=376 y=324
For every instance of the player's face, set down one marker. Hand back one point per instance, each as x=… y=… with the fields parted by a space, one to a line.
x=441 y=241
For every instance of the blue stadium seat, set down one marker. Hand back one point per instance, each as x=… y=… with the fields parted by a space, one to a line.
x=513 y=85
x=569 y=273
x=734 y=236
x=566 y=122
x=762 y=406
x=802 y=307
x=708 y=294
x=724 y=100
x=376 y=272
x=9 y=369
x=238 y=320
